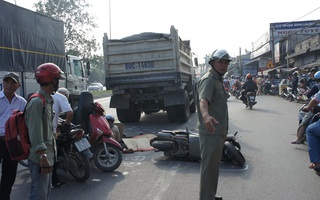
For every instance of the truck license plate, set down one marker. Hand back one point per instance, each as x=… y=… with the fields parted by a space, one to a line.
x=82 y=144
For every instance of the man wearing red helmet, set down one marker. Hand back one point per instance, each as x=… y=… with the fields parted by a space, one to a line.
x=248 y=86
x=40 y=126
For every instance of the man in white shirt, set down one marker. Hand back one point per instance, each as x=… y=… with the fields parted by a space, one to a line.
x=61 y=105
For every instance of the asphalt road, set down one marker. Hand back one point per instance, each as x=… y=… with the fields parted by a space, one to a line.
x=275 y=169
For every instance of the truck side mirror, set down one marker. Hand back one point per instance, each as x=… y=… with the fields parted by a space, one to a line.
x=196 y=62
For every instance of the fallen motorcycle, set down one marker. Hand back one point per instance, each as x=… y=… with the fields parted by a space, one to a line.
x=106 y=150
x=185 y=144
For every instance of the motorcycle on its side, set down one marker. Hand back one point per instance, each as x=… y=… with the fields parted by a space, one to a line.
x=73 y=152
x=185 y=144
x=106 y=150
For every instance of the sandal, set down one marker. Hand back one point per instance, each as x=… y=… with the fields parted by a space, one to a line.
x=311 y=166
x=296 y=142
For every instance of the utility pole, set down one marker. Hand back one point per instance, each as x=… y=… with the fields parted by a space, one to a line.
x=240 y=61
x=110 y=18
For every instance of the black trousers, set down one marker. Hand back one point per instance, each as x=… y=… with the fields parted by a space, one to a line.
x=8 y=172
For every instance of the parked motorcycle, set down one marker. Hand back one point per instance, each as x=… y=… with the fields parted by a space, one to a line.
x=269 y=88
x=107 y=151
x=73 y=152
x=302 y=94
x=185 y=144
x=287 y=93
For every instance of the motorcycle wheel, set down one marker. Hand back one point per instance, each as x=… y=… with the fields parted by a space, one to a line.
x=104 y=163
x=79 y=166
x=162 y=145
x=23 y=163
x=234 y=154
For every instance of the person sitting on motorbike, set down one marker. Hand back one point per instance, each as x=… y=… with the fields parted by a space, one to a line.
x=237 y=83
x=116 y=134
x=316 y=87
x=312 y=80
x=114 y=128
x=313 y=136
x=248 y=86
x=308 y=116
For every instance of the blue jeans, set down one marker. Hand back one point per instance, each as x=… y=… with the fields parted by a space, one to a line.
x=40 y=183
x=313 y=138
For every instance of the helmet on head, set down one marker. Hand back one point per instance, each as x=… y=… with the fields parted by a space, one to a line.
x=249 y=76
x=220 y=54
x=317 y=75
x=237 y=77
x=232 y=76
x=295 y=74
x=110 y=118
x=313 y=70
x=47 y=72
x=64 y=91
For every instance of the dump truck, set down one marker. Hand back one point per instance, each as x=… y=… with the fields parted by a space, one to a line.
x=150 y=72
x=28 y=39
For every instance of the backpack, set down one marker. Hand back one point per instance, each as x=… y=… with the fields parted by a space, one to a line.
x=17 y=135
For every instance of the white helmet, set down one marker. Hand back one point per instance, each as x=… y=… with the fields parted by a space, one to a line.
x=64 y=91
x=220 y=54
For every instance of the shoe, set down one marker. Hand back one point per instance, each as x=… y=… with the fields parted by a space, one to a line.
x=296 y=142
x=218 y=198
x=311 y=166
x=128 y=151
x=58 y=184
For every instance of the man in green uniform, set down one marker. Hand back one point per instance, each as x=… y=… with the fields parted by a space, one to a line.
x=213 y=122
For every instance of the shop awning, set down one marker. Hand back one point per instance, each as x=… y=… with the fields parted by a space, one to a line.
x=287 y=70
x=310 y=65
x=265 y=72
x=252 y=62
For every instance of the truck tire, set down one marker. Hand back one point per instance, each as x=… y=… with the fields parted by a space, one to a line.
x=184 y=109
x=193 y=107
x=172 y=113
x=122 y=115
x=133 y=115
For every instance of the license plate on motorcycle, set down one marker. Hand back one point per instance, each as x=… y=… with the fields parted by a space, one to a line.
x=82 y=144
x=251 y=97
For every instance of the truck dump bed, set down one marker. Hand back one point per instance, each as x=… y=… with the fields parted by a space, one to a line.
x=147 y=60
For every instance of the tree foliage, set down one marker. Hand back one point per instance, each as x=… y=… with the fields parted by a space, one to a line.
x=78 y=23
x=97 y=70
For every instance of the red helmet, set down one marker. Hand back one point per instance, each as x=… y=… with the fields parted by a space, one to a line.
x=47 y=72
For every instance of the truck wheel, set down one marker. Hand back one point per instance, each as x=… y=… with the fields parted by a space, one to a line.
x=193 y=107
x=172 y=113
x=184 y=109
x=133 y=115
x=122 y=115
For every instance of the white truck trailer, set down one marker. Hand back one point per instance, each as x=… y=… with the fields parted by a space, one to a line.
x=149 y=72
